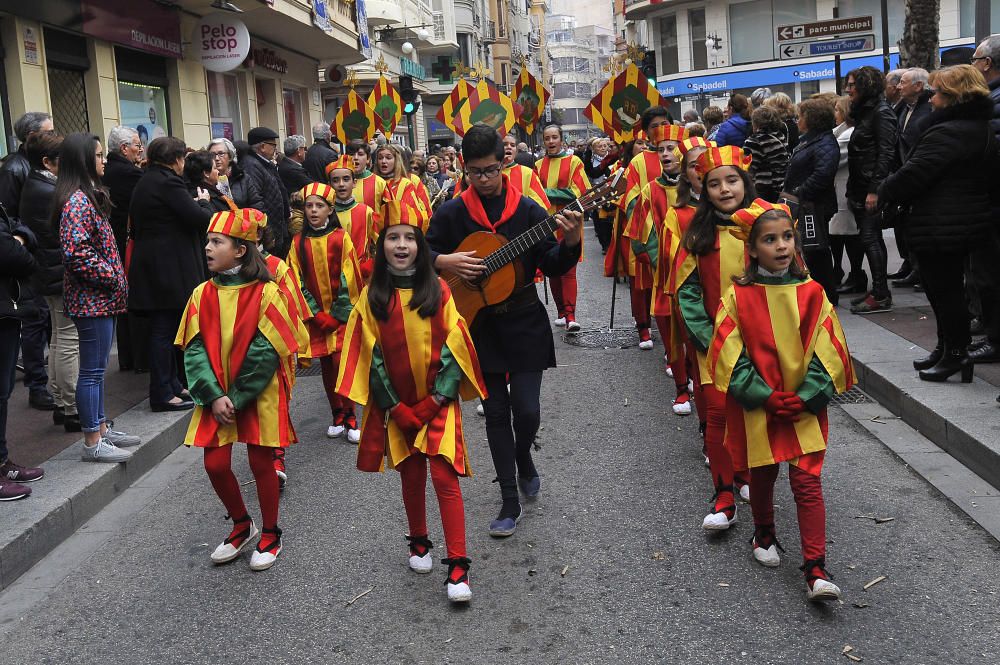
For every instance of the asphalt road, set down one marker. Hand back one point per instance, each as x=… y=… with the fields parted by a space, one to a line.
x=610 y=565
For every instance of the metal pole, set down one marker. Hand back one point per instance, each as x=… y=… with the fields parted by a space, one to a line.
x=836 y=60
x=409 y=131
x=885 y=37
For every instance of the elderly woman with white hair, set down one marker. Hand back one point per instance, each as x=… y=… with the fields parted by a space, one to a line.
x=233 y=182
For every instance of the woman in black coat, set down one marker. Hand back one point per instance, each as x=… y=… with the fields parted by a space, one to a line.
x=945 y=182
x=168 y=261
x=809 y=181
x=200 y=172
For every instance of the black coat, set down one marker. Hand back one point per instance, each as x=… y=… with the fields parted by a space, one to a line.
x=14 y=172
x=217 y=202
x=995 y=97
x=293 y=175
x=274 y=197
x=521 y=340
x=36 y=213
x=909 y=135
x=168 y=257
x=871 y=150
x=946 y=180
x=318 y=156
x=120 y=177
x=245 y=192
x=812 y=170
x=17 y=263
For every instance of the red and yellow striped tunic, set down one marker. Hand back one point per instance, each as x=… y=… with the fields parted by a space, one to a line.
x=329 y=274
x=641 y=170
x=564 y=180
x=526 y=181
x=359 y=222
x=411 y=350
x=421 y=191
x=298 y=308
x=227 y=318
x=781 y=328
x=369 y=190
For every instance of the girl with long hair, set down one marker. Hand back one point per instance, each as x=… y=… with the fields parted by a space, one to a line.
x=391 y=163
x=408 y=358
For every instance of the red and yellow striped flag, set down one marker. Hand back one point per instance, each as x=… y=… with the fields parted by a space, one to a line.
x=487 y=106
x=532 y=96
x=355 y=120
x=388 y=105
x=616 y=109
x=452 y=103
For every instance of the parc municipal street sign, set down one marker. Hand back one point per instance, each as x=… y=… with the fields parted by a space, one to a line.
x=837 y=27
x=827 y=47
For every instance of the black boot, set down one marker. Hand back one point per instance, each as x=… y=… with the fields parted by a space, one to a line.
x=930 y=360
x=903 y=271
x=952 y=361
x=857 y=282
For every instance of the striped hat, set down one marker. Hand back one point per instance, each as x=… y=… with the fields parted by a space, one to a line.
x=745 y=218
x=668 y=132
x=728 y=155
x=342 y=162
x=402 y=212
x=689 y=144
x=242 y=223
x=324 y=191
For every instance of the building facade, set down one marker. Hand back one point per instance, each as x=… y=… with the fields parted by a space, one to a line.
x=578 y=56
x=94 y=64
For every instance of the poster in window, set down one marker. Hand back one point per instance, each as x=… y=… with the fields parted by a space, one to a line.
x=144 y=108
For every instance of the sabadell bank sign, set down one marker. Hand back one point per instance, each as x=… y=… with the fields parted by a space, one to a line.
x=222 y=42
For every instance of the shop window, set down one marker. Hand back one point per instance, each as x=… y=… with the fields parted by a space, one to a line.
x=224 y=106
x=67 y=60
x=144 y=108
x=873 y=8
x=967 y=18
x=293 y=111
x=753 y=25
x=696 y=27
x=668 y=46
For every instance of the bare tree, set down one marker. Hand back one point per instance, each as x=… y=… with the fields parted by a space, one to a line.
x=919 y=45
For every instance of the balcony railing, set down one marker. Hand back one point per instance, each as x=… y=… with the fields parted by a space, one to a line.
x=490 y=32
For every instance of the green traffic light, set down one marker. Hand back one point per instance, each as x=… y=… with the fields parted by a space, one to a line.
x=409 y=107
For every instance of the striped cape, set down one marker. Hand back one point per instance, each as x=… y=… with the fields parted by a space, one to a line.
x=328 y=259
x=359 y=222
x=370 y=190
x=411 y=349
x=715 y=272
x=642 y=170
x=298 y=308
x=564 y=172
x=781 y=327
x=227 y=318
x=526 y=181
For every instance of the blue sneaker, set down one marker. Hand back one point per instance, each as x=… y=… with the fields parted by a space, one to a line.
x=530 y=486
x=502 y=526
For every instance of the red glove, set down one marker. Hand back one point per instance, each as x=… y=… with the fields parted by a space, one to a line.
x=643 y=258
x=326 y=323
x=795 y=405
x=404 y=417
x=775 y=404
x=426 y=409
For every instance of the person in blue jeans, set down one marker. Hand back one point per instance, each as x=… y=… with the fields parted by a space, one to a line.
x=16 y=264
x=94 y=288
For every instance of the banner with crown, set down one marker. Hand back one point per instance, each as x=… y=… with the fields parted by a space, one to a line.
x=387 y=104
x=617 y=108
x=531 y=96
x=355 y=120
x=487 y=106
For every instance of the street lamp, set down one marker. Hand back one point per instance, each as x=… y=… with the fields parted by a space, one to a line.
x=407 y=48
x=714 y=44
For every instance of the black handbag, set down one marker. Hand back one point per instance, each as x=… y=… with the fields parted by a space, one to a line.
x=812 y=227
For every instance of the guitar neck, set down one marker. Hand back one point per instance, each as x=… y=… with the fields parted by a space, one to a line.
x=520 y=244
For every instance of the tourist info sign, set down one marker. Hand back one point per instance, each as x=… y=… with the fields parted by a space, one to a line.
x=827 y=47
x=837 y=27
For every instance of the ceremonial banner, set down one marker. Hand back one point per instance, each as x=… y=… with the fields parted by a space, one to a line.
x=355 y=120
x=487 y=106
x=455 y=100
x=388 y=105
x=532 y=96
x=616 y=109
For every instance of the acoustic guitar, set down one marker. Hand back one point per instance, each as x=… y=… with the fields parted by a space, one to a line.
x=503 y=269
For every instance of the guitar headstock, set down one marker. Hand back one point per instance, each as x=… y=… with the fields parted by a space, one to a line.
x=607 y=192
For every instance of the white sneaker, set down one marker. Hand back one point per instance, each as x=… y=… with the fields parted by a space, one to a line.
x=823 y=590
x=120 y=439
x=264 y=560
x=104 y=451
x=459 y=593
x=560 y=322
x=646 y=344
x=225 y=552
x=335 y=431
x=480 y=409
x=572 y=326
x=766 y=557
x=718 y=521
x=745 y=493
x=422 y=564
x=667 y=368
x=353 y=436
x=682 y=408
x=708 y=462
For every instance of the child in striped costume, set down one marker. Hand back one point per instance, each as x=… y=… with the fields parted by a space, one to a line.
x=323 y=259
x=408 y=357
x=779 y=355
x=360 y=221
x=237 y=337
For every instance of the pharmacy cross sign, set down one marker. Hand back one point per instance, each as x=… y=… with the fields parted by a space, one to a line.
x=831 y=28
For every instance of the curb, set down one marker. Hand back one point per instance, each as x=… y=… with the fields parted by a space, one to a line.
x=961 y=419
x=73 y=491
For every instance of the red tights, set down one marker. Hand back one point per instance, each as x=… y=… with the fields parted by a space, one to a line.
x=719 y=461
x=564 y=293
x=808 y=492
x=699 y=391
x=677 y=365
x=413 y=472
x=218 y=464
x=642 y=299
x=329 y=366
